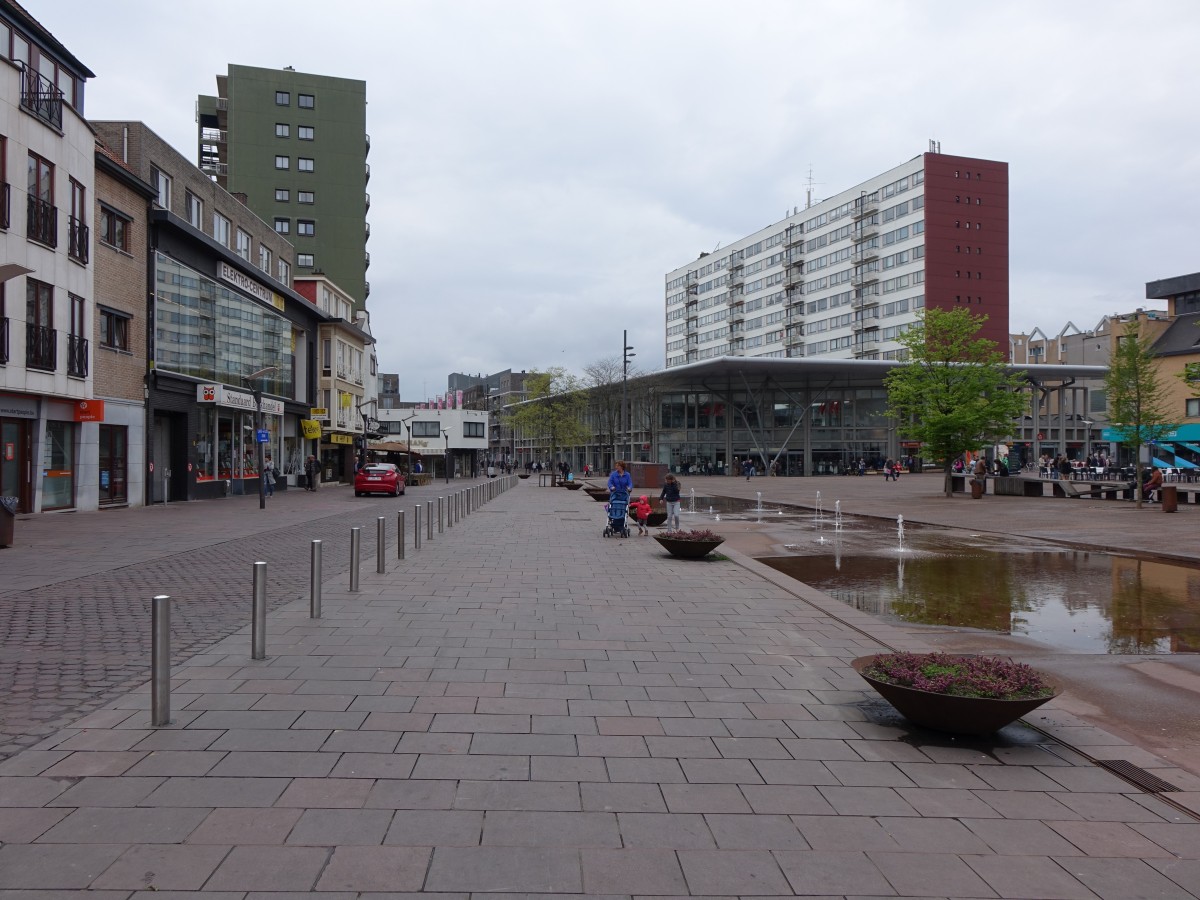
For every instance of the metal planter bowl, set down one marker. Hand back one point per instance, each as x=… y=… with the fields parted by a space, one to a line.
x=687 y=549
x=944 y=712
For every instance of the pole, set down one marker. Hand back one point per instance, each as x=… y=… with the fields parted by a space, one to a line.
x=380 y=546
x=446 y=435
x=258 y=619
x=417 y=527
x=160 y=660
x=314 y=581
x=258 y=426
x=429 y=520
x=355 y=546
x=399 y=534
x=441 y=516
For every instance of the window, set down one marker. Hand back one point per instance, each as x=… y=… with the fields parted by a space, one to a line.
x=42 y=216
x=221 y=229
x=195 y=210
x=304 y=260
x=427 y=429
x=1193 y=408
x=306 y=101
x=114 y=329
x=282 y=129
x=282 y=162
x=283 y=98
x=306 y=227
x=264 y=259
x=283 y=195
x=242 y=245
x=305 y=132
x=285 y=272
x=41 y=346
x=283 y=226
x=303 y=164
x=305 y=197
x=473 y=430
x=114 y=228
x=162 y=183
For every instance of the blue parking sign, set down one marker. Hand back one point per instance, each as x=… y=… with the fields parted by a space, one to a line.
x=263 y=437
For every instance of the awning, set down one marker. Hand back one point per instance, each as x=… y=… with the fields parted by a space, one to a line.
x=392 y=447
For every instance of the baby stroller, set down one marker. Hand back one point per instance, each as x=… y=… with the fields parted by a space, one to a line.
x=617 y=508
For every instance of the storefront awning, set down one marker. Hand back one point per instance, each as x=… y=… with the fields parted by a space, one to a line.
x=392 y=447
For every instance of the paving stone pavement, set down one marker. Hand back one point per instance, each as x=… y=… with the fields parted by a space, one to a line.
x=525 y=707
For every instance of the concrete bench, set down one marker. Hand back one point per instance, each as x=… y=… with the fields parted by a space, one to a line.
x=1078 y=489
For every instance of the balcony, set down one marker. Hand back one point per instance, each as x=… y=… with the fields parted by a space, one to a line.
x=737 y=312
x=368 y=201
x=693 y=289
x=794 y=261
x=368 y=172
x=858 y=279
x=795 y=235
x=864 y=232
x=41 y=223
x=219 y=169
x=368 y=137
x=794 y=278
x=78 y=236
x=41 y=348
x=366 y=261
x=77 y=356
x=866 y=206
x=368 y=235
x=5 y=205
x=366 y=289
x=3 y=339
x=40 y=97
x=864 y=254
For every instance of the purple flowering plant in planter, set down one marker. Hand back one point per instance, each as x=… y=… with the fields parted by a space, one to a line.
x=696 y=534
x=986 y=677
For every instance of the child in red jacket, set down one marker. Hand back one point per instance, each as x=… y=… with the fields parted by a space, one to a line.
x=641 y=511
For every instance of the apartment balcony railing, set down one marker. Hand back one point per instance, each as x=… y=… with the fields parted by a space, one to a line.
x=366 y=289
x=367 y=172
x=343 y=373
x=78 y=235
x=3 y=339
x=77 y=356
x=866 y=206
x=368 y=137
x=215 y=168
x=794 y=236
x=367 y=198
x=368 y=234
x=41 y=97
x=5 y=204
x=366 y=260
x=41 y=348
x=358 y=378
x=42 y=222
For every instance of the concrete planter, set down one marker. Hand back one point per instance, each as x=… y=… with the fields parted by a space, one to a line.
x=684 y=549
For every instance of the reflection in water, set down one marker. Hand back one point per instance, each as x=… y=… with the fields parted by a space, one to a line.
x=1072 y=600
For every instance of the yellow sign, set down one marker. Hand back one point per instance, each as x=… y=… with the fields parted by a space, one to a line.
x=341 y=439
x=319 y=414
x=309 y=429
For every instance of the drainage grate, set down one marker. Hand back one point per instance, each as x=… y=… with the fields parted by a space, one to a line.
x=1136 y=775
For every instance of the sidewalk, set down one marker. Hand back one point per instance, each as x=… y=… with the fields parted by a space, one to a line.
x=523 y=706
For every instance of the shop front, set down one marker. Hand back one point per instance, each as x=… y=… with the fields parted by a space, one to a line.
x=225 y=449
x=337 y=456
x=41 y=461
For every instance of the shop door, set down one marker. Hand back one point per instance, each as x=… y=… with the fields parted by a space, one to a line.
x=15 y=472
x=161 y=459
x=113 y=475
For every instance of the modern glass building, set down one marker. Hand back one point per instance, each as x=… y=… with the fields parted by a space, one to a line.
x=294 y=147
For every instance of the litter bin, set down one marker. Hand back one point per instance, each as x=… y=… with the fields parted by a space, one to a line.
x=976 y=489
x=1170 y=497
x=8 y=517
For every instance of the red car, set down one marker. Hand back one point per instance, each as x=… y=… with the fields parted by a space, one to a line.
x=379 y=478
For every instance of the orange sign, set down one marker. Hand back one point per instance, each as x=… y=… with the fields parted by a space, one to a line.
x=89 y=410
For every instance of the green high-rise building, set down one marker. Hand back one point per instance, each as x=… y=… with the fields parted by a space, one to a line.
x=294 y=146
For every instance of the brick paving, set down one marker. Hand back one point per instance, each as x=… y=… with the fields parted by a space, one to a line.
x=522 y=706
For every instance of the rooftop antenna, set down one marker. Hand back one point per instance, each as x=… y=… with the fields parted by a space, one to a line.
x=935 y=146
x=808 y=193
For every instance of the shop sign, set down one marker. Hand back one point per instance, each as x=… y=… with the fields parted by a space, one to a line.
x=243 y=282
x=223 y=395
x=309 y=429
x=319 y=414
x=18 y=407
x=89 y=410
x=341 y=439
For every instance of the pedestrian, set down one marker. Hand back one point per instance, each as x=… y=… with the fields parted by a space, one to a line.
x=620 y=480
x=670 y=496
x=312 y=468
x=888 y=469
x=748 y=469
x=641 y=512
x=268 y=477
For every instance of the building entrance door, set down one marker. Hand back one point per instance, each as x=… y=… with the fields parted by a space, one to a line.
x=161 y=457
x=16 y=479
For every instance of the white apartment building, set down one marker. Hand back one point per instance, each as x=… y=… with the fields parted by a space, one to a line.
x=844 y=277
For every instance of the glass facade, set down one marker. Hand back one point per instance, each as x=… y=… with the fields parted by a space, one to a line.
x=209 y=331
x=225 y=446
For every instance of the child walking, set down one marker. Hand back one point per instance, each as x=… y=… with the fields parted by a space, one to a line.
x=641 y=511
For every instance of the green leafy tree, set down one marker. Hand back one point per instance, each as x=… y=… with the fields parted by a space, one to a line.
x=554 y=413
x=1137 y=400
x=954 y=393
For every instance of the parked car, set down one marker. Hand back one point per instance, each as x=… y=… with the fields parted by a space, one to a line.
x=379 y=478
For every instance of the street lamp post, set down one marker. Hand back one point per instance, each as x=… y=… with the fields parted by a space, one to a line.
x=408 y=428
x=258 y=427
x=446 y=435
x=626 y=413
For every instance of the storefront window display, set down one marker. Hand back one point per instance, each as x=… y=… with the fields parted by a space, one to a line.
x=225 y=446
x=58 y=466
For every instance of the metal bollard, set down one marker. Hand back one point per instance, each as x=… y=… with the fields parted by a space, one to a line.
x=441 y=519
x=399 y=534
x=429 y=520
x=380 y=546
x=355 y=546
x=417 y=528
x=258 y=619
x=314 y=581
x=160 y=660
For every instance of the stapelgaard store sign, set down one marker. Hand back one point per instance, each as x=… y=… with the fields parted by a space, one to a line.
x=223 y=396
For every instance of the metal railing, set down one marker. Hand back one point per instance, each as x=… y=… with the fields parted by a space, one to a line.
x=41 y=348
x=41 y=222
x=41 y=97
x=5 y=204
x=3 y=339
x=77 y=356
x=78 y=239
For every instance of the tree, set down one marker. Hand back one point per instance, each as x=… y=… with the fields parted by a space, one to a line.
x=554 y=411
x=603 y=380
x=954 y=393
x=1137 y=400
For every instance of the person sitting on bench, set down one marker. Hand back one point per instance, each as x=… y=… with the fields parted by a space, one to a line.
x=1152 y=485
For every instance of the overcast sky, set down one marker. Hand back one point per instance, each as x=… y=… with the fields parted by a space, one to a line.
x=538 y=167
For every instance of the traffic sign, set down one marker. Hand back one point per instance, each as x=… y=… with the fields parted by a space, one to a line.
x=264 y=436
